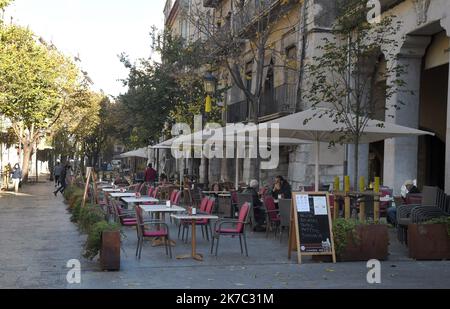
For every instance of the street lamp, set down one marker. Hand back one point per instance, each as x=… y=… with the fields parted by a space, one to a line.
x=209 y=83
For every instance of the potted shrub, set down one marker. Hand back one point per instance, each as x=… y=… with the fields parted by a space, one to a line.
x=104 y=238
x=430 y=240
x=360 y=241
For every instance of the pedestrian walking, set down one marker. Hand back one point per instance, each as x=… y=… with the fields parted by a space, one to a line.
x=16 y=177
x=62 y=180
x=57 y=173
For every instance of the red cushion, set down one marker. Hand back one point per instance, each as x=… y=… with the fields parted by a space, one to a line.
x=227 y=231
x=155 y=233
x=129 y=223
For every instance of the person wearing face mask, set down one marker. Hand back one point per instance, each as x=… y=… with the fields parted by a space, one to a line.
x=16 y=177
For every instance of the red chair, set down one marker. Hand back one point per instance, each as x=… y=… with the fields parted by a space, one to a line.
x=202 y=207
x=237 y=229
x=173 y=196
x=177 y=198
x=150 y=191
x=263 y=191
x=204 y=223
x=155 y=192
x=142 y=232
x=272 y=215
x=125 y=217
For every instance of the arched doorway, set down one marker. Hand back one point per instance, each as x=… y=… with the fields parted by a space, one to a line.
x=433 y=112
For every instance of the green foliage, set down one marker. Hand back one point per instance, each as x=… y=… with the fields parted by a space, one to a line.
x=41 y=90
x=440 y=220
x=89 y=216
x=33 y=78
x=160 y=94
x=8 y=138
x=5 y=3
x=73 y=195
x=94 y=240
x=346 y=72
x=76 y=211
x=343 y=231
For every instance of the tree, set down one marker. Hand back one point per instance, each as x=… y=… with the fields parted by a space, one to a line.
x=345 y=74
x=242 y=38
x=161 y=93
x=37 y=83
x=5 y=3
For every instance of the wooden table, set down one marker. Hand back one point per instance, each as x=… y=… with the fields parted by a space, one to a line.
x=193 y=218
x=139 y=200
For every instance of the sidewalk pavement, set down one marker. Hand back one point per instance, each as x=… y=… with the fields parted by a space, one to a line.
x=37 y=239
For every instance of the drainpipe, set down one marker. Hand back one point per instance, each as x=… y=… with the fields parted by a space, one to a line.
x=303 y=36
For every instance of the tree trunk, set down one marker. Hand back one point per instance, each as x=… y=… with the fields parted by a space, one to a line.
x=356 y=157
x=27 y=152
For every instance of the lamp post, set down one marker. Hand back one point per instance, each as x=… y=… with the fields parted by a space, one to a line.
x=209 y=85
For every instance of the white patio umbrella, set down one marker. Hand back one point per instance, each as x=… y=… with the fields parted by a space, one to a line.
x=228 y=134
x=138 y=153
x=319 y=125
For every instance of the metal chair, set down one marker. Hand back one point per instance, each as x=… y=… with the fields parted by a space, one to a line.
x=142 y=232
x=285 y=215
x=237 y=229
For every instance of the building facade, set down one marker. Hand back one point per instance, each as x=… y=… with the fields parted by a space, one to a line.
x=424 y=50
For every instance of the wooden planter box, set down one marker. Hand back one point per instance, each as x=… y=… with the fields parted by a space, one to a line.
x=372 y=243
x=110 y=251
x=428 y=242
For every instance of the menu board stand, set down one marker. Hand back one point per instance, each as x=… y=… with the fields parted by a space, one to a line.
x=311 y=231
x=90 y=175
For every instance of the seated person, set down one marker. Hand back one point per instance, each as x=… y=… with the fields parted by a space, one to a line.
x=281 y=187
x=407 y=188
x=216 y=187
x=121 y=181
x=163 y=180
x=257 y=206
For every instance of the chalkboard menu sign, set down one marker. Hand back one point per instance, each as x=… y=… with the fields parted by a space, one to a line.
x=311 y=218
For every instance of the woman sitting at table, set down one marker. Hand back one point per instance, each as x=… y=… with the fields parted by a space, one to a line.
x=216 y=188
x=163 y=180
x=281 y=188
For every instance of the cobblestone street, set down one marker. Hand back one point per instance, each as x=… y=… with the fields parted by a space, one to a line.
x=37 y=239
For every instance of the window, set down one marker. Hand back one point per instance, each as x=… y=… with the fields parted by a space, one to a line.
x=291 y=65
x=184 y=28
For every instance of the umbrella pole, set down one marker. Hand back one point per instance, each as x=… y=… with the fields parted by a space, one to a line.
x=317 y=165
x=237 y=172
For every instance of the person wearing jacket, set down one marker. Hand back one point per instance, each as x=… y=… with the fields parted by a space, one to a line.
x=16 y=177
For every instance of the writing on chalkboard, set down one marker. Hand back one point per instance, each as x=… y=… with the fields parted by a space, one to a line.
x=313 y=223
x=311 y=216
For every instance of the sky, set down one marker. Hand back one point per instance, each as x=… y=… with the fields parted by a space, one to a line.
x=96 y=30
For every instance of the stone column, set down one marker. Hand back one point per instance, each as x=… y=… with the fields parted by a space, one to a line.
x=445 y=23
x=400 y=154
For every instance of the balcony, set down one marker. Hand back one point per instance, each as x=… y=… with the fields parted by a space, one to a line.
x=251 y=12
x=278 y=102
x=274 y=104
x=237 y=112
